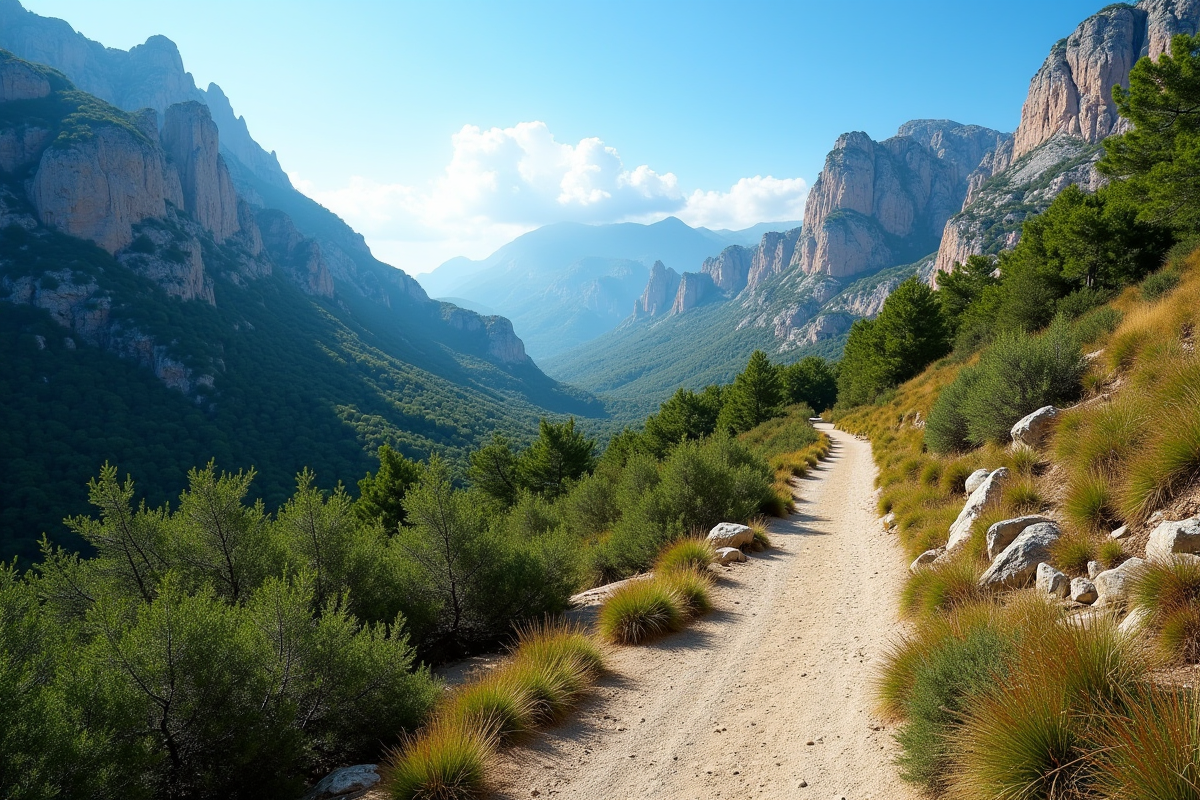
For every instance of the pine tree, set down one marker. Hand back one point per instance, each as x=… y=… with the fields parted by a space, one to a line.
x=756 y=395
x=381 y=495
x=559 y=455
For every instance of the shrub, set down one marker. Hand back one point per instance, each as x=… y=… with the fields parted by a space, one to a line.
x=498 y=705
x=1158 y=284
x=1072 y=552
x=1170 y=593
x=687 y=554
x=942 y=587
x=947 y=430
x=1029 y=736
x=692 y=589
x=447 y=761
x=639 y=610
x=1152 y=750
x=1018 y=374
x=1097 y=323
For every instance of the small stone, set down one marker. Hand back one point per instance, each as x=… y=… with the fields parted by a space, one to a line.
x=1083 y=591
x=534 y=793
x=802 y=785
x=730 y=555
x=810 y=743
x=1052 y=582
x=1120 y=533
x=1094 y=569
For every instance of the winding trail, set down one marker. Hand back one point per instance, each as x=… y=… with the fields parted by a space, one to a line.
x=770 y=696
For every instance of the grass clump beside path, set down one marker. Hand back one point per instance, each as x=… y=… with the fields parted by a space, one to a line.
x=691 y=553
x=550 y=668
x=640 y=610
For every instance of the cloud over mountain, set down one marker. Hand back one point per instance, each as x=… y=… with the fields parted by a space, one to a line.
x=501 y=182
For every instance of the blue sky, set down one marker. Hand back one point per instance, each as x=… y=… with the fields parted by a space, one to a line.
x=418 y=122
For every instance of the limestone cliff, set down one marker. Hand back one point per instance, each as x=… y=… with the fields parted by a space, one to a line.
x=190 y=138
x=1067 y=113
x=299 y=256
x=775 y=253
x=695 y=288
x=659 y=294
x=878 y=204
x=730 y=269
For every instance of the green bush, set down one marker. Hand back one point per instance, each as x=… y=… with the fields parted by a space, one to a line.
x=1017 y=374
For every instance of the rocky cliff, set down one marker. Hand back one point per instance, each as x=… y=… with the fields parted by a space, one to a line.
x=730 y=269
x=659 y=294
x=775 y=253
x=878 y=204
x=1067 y=113
x=150 y=75
x=190 y=138
x=292 y=251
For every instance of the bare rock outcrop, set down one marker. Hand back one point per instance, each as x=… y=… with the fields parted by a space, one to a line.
x=879 y=204
x=21 y=145
x=21 y=81
x=191 y=140
x=659 y=295
x=695 y=288
x=730 y=269
x=98 y=187
x=299 y=257
x=775 y=253
x=501 y=342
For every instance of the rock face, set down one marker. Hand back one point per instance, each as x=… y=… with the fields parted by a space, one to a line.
x=730 y=270
x=97 y=188
x=21 y=81
x=297 y=255
x=1051 y=582
x=730 y=534
x=659 y=294
x=190 y=138
x=695 y=288
x=878 y=204
x=1067 y=112
x=1016 y=566
x=984 y=497
x=1031 y=430
x=1170 y=538
x=1002 y=534
x=776 y=253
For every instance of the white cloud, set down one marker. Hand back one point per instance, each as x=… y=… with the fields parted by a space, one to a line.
x=502 y=182
x=749 y=202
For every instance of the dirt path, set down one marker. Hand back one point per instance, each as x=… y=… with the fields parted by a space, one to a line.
x=770 y=696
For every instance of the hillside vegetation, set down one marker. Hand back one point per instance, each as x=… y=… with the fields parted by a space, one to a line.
x=1076 y=684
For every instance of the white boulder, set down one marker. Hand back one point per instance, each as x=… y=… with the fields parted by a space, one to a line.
x=730 y=534
x=975 y=480
x=1083 y=591
x=1112 y=586
x=1002 y=534
x=1120 y=533
x=1133 y=623
x=1016 y=567
x=925 y=559
x=729 y=555
x=348 y=780
x=1170 y=538
x=1052 y=582
x=984 y=497
x=1031 y=431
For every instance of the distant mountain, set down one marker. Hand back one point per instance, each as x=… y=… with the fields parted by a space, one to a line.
x=155 y=318
x=567 y=283
x=748 y=237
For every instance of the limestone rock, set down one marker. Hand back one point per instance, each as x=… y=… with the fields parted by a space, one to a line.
x=1134 y=622
x=871 y=196
x=300 y=258
x=345 y=782
x=1016 y=567
x=1050 y=581
x=21 y=145
x=730 y=534
x=730 y=269
x=190 y=138
x=97 y=188
x=1001 y=534
x=1083 y=591
x=659 y=295
x=1093 y=569
x=775 y=254
x=1170 y=538
x=729 y=555
x=1120 y=533
x=984 y=497
x=695 y=288
x=1112 y=586
x=21 y=81
x=1031 y=430
x=925 y=559
x=976 y=479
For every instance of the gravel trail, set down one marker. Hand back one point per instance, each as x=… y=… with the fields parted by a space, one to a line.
x=770 y=696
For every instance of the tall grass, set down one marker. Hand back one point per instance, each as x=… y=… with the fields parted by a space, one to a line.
x=448 y=761
x=691 y=553
x=942 y=587
x=1170 y=593
x=1152 y=750
x=640 y=610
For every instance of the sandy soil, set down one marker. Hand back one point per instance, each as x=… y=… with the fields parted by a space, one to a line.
x=771 y=695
